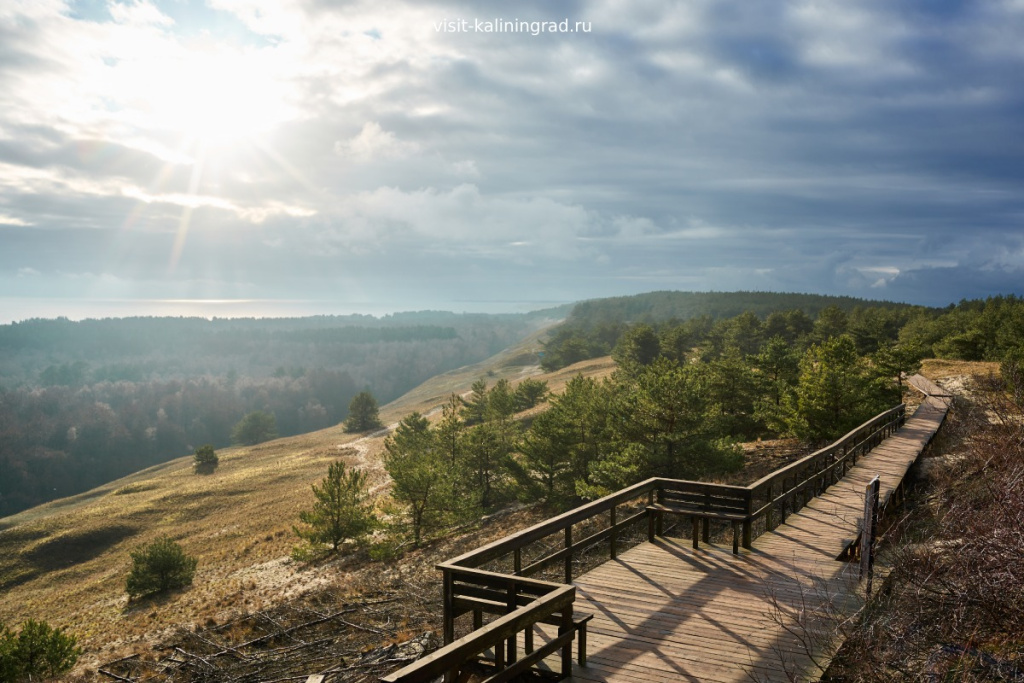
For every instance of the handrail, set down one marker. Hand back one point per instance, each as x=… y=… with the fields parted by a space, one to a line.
x=881 y=417
x=813 y=473
x=503 y=546
x=450 y=659
x=524 y=602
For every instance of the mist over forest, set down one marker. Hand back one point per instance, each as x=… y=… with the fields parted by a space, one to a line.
x=83 y=403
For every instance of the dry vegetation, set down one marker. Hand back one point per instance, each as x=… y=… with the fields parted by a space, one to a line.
x=952 y=607
x=252 y=613
x=66 y=562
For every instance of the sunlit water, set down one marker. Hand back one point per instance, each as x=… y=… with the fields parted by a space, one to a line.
x=16 y=309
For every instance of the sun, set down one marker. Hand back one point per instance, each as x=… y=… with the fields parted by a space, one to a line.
x=213 y=98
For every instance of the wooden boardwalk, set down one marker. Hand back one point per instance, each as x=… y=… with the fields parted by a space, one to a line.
x=666 y=612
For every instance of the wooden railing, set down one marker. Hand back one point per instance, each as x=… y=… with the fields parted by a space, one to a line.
x=552 y=604
x=795 y=484
x=494 y=579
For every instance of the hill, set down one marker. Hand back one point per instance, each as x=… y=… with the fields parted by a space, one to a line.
x=83 y=403
x=66 y=561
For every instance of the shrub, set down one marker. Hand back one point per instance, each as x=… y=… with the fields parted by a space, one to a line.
x=38 y=650
x=1012 y=371
x=254 y=428
x=158 y=567
x=340 y=511
x=363 y=413
x=205 y=460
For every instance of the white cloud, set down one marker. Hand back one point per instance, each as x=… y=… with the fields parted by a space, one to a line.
x=137 y=13
x=676 y=137
x=255 y=214
x=11 y=220
x=373 y=143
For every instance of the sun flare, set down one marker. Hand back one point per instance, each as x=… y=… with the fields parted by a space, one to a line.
x=213 y=99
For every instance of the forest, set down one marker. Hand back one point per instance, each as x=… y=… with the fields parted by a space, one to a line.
x=83 y=403
x=684 y=394
x=595 y=327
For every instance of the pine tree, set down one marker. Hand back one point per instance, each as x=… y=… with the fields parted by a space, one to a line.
x=637 y=348
x=529 y=393
x=363 y=413
x=158 y=567
x=254 y=428
x=38 y=650
x=205 y=460
x=340 y=512
x=423 y=478
x=475 y=410
x=837 y=391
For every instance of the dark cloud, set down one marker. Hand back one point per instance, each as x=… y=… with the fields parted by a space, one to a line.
x=871 y=149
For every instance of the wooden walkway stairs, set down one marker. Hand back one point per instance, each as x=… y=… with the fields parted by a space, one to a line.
x=666 y=610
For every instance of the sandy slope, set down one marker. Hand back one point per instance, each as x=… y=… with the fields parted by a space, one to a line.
x=66 y=561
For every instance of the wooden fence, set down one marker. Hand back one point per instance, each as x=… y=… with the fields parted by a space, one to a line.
x=494 y=579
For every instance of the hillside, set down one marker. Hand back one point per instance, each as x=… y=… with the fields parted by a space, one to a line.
x=66 y=561
x=84 y=403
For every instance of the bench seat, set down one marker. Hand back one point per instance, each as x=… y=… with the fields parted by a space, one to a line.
x=699 y=515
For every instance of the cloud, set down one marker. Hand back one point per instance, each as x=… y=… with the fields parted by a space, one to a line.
x=373 y=143
x=803 y=145
x=138 y=13
x=11 y=220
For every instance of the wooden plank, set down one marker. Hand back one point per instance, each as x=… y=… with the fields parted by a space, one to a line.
x=665 y=612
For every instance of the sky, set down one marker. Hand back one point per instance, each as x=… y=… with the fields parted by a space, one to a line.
x=252 y=157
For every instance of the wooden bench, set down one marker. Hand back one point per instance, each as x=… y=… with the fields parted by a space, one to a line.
x=699 y=515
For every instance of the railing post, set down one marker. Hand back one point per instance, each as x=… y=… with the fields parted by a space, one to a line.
x=770 y=511
x=650 y=517
x=869 y=530
x=517 y=562
x=568 y=554
x=748 y=523
x=510 y=607
x=449 y=606
x=566 y=627
x=660 y=529
x=615 y=532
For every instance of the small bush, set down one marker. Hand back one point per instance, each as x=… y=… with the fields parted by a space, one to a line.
x=363 y=413
x=341 y=510
x=38 y=650
x=158 y=567
x=205 y=460
x=254 y=428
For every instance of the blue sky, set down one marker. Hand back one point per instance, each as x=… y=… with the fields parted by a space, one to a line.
x=250 y=157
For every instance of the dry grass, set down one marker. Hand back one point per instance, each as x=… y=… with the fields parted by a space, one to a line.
x=937 y=369
x=66 y=561
x=952 y=607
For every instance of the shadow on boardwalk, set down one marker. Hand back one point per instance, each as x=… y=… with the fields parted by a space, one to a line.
x=666 y=612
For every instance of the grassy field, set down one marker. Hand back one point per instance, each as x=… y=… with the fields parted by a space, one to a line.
x=66 y=561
